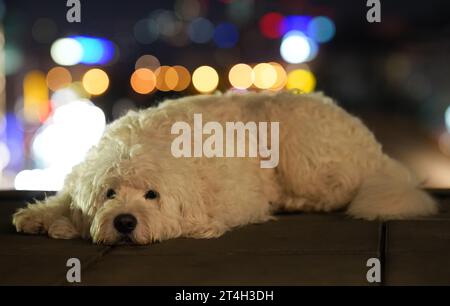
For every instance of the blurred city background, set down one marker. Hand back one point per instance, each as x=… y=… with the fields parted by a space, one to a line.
x=61 y=82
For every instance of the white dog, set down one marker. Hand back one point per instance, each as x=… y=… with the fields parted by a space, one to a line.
x=132 y=188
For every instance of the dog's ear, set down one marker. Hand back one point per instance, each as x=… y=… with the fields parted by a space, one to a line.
x=83 y=183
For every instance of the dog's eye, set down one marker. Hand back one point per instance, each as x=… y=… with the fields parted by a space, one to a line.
x=151 y=195
x=110 y=194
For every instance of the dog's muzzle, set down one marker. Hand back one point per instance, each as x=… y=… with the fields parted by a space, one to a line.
x=125 y=223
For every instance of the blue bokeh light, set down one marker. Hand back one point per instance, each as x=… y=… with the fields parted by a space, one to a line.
x=295 y=23
x=96 y=51
x=201 y=30
x=321 y=29
x=14 y=141
x=226 y=35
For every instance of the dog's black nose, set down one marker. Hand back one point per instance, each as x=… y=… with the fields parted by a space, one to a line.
x=125 y=223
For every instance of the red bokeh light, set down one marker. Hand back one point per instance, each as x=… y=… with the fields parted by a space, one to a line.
x=271 y=25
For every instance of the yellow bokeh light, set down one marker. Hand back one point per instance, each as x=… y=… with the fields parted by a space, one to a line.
x=184 y=78
x=302 y=80
x=35 y=95
x=241 y=76
x=205 y=79
x=143 y=81
x=95 y=81
x=58 y=77
x=281 y=79
x=265 y=76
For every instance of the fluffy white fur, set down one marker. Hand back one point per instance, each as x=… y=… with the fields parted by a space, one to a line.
x=328 y=161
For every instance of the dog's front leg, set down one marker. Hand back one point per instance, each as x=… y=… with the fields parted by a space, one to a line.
x=49 y=216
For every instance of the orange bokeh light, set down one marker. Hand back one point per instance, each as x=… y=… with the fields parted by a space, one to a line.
x=166 y=78
x=58 y=77
x=184 y=78
x=143 y=81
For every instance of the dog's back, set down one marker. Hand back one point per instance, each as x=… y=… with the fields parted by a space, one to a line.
x=328 y=158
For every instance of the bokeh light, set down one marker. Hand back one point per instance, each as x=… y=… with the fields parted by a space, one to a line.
x=295 y=23
x=167 y=23
x=15 y=140
x=44 y=30
x=447 y=118
x=271 y=25
x=66 y=51
x=184 y=78
x=58 y=77
x=166 y=78
x=61 y=143
x=2 y=124
x=79 y=89
x=226 y=35
x=241 y=76
x=95 y=81
x=13 y=59
x=35 y=96
x=95 y=50
x=187 y=9
x=147 y=61
x=201 y=30
x=4 y=156
x=265 y=76
x=297 y=48
x=281 y=77
x=205 y=79
x=300 y=79
x=321 y=29
x=240 y=12
x=63 y=96
x=146 y=31
x=143 y=81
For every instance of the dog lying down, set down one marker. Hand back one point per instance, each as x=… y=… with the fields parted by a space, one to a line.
x=139 y=185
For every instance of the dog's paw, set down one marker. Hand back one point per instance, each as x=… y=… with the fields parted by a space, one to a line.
x=207 y=232
x=29 y=221
x=62 y=229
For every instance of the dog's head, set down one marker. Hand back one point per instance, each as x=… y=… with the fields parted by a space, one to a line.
x=140 y=194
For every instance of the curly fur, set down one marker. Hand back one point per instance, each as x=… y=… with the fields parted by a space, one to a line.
x=328 y=160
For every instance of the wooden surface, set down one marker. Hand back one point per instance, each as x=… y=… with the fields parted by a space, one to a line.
x=297 y=249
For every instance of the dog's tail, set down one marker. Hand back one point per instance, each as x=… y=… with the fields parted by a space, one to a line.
x=391 y=193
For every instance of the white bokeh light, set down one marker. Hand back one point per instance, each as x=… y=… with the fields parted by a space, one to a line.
x=66 y=51
x=61 y=143
x=447 y=118
x=296 y=48
x=63 y=96
x=40 y=179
